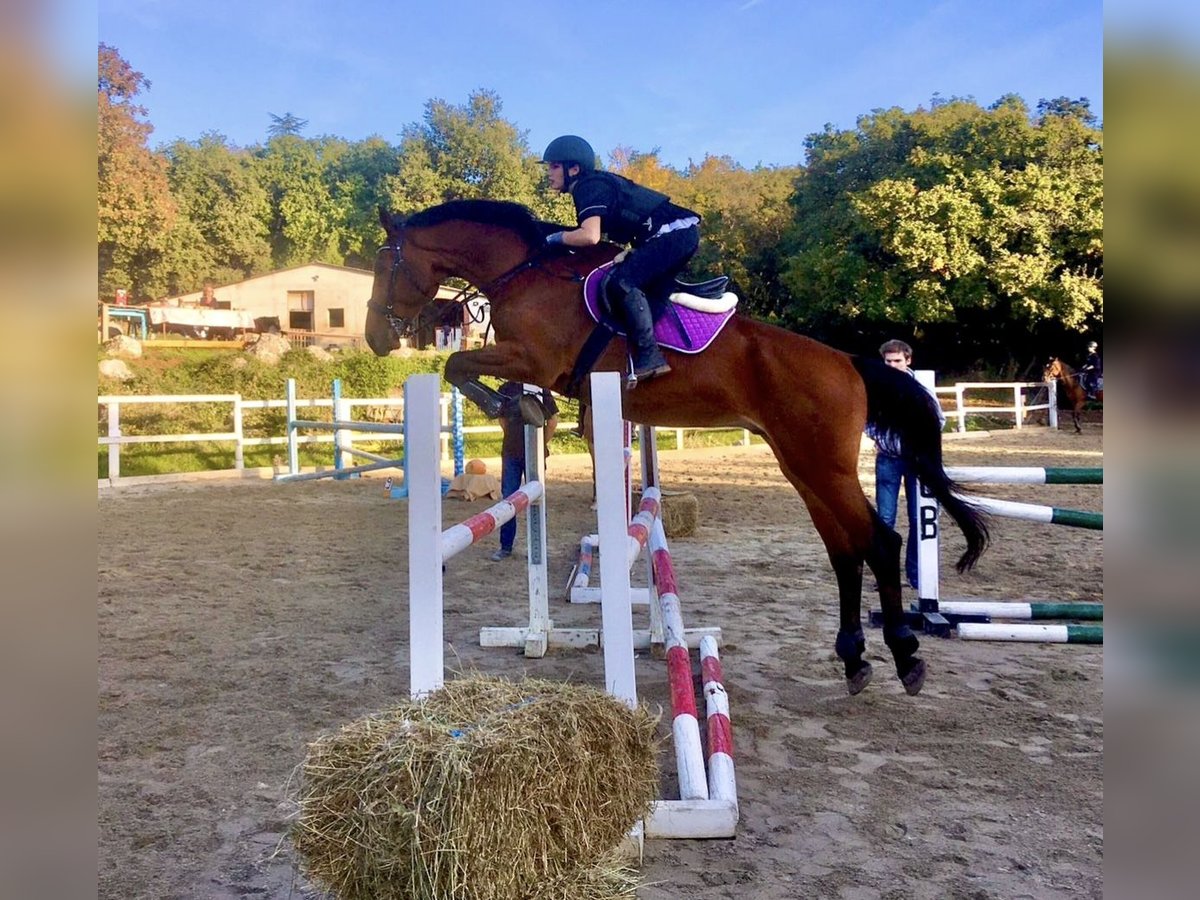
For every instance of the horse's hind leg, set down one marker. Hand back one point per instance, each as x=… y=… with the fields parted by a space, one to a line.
x=853 y=533
x=884 y=559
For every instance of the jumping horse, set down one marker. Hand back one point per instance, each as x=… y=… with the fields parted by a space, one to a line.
x=1058 y=372
x=807 y=400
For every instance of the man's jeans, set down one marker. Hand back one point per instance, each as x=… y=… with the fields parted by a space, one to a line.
x=889 y=471
x=512 y=471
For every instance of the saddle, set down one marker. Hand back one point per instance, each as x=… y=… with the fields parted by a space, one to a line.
x=689 y=321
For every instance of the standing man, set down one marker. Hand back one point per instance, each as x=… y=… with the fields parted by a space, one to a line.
x=512 y=452
x=890 y=468
x=1093 y=371
x=663 y=237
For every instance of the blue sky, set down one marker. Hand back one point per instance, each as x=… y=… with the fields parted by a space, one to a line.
x=745 y=78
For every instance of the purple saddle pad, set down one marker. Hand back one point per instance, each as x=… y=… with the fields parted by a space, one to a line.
x=691 y=333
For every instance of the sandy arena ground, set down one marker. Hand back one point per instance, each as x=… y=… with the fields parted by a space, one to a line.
x=238 y=621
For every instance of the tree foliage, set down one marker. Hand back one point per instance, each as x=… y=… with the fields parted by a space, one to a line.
x=134 y=204
x=467 y=152
x=221 y=233
x=952 y=216
x=307 y=223
x=286 y=125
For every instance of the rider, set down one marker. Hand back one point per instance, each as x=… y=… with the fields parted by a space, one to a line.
x=663 y=237
x=1093 y=370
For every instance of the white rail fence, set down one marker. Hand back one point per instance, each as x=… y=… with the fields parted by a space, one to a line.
x=1025 y=397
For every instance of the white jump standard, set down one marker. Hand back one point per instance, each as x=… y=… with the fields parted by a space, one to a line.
x=429 y=546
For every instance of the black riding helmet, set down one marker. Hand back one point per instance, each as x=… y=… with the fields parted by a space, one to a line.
x=570 y=149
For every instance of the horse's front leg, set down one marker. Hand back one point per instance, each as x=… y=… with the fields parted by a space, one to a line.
x=507 y=360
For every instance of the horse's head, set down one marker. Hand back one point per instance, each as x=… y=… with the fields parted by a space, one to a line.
x=406 y=282
x=1053 y=370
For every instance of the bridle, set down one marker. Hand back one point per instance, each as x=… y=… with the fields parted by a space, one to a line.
x=405 y=327
x=1059 y=373
x=402 y=327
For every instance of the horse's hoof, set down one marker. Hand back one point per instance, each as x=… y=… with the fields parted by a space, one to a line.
x=914 y=679
x=859 y=680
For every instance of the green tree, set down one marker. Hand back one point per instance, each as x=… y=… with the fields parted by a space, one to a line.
x=221 y=232
x=469 y=151
x=307 y=223
x=746 y=213
x=285 y=125
x=134 y=205
x=359 y=178
x=986 y=222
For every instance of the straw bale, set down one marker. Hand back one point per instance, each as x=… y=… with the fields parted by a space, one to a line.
x=680 y=512
x=487 y=790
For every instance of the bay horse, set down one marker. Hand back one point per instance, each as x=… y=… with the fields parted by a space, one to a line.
x=1058 y=372
x=808 y=401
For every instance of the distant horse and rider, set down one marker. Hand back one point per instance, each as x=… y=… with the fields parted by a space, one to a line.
x=1077 y=386
x=807 y=400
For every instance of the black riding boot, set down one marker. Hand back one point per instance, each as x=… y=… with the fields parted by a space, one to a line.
x=487 y=399
x=648 y=361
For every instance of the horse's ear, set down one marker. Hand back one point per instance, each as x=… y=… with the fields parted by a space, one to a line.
x=385 y=218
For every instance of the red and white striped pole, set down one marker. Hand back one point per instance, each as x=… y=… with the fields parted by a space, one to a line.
x=685 y=727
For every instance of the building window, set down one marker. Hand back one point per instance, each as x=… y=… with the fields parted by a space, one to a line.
x=300 y=321
x=337 y=318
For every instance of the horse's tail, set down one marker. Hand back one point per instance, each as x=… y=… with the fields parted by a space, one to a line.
x=901 y=412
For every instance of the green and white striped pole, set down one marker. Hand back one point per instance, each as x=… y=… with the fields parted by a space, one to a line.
x=1041 y=634
x=1034 y=512
x=1007 y=609
x=1024 y=475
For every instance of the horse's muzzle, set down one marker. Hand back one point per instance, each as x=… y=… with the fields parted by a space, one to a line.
x=380 y=345
x=384 y=330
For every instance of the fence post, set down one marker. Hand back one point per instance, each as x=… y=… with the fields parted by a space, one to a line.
x=960 y=406
x=114 y=431
x=335 y=412
x=456 y=421
x=678 y=438
x=1019 y=406
x=239 y=448
x=443 y=426
x=293 y=445
x=1052 y=404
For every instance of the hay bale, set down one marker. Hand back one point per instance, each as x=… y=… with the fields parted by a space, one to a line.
x=487 y=790
x=680 y=512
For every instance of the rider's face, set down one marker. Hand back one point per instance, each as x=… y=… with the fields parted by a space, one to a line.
x=554 y=171
x=896 y=361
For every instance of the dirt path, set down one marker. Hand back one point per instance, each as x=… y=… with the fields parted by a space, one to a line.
x=239 y=621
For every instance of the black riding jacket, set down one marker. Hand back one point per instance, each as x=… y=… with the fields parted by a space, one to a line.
x=629 y=213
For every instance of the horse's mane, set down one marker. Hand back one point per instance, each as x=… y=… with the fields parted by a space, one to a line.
x=503 y=213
